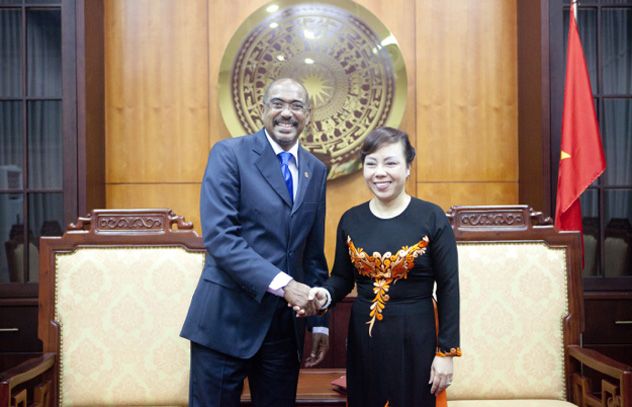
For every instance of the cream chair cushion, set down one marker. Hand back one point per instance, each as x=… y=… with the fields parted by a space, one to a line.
x=513 y=302
x=120 y=311
x=509 y=403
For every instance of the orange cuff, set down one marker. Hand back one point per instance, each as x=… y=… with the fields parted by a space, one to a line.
x=453 y=352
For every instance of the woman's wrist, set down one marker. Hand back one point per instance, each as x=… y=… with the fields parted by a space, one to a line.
x=453 y=352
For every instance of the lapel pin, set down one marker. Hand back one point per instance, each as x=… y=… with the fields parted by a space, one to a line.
x=306 y=174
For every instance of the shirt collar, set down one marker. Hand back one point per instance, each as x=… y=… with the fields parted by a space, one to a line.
x=277 y=148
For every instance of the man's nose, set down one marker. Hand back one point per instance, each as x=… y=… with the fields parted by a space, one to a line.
x=286 y=111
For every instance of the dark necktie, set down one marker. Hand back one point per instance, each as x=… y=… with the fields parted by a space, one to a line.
x=284 y=158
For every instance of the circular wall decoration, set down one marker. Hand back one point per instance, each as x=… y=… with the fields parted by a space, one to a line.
x=349 y=62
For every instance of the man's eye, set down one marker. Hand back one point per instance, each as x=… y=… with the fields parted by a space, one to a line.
x=277 y=105
x=297 y=106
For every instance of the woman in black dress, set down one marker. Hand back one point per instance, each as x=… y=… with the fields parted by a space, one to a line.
x=395 y=248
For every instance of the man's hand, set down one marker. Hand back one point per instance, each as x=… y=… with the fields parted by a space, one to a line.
x=316 y=295
x=320 y=346
x=441 y=374
x=296 y=294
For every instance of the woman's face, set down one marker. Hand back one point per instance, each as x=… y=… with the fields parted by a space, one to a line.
x=385 y=171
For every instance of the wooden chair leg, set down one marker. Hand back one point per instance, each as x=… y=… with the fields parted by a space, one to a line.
x=19 y=400
x=610 y=394
x=42 y=395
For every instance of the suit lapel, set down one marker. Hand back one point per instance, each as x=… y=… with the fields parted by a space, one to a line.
x=305 y=175
x=268 y=165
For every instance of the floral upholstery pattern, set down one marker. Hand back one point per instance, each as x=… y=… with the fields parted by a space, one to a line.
x=120 y=312
x=510 y=353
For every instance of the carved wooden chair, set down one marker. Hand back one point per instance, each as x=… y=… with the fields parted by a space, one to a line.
x=522 y=315
x=114 y=290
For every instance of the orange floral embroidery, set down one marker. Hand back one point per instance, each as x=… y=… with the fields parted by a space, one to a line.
x=385 y=269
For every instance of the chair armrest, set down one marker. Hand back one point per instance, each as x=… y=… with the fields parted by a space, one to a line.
x=599 y=362
x=26 y=371
x=607 y=367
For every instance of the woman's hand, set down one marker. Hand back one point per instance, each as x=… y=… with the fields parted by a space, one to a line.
x=441 y=373
x=317 y=297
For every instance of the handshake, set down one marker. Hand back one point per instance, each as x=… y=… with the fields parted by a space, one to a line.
x=305 y=300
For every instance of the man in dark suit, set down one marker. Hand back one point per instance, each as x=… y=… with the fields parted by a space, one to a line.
x=262 y=210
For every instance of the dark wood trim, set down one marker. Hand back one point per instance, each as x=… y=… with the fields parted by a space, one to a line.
x=608 y=295
x=608 y=284
x=18 y=290
x=19 y=302
x=90 y=82
x=69 y=107
x=533 y=105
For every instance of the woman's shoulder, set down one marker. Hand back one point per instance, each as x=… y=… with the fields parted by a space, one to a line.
x=427 y=207
x=429 y=213
x=355 y=211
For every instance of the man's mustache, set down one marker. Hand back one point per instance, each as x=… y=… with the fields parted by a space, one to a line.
x=292 y=122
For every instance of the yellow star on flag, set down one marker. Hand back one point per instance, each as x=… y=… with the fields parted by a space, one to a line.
x=564 y=155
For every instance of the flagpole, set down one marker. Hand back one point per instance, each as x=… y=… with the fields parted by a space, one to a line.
x=574 y=5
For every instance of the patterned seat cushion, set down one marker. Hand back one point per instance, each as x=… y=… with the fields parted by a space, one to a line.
x=510 y=403
x=513 y=302
x=121 y=310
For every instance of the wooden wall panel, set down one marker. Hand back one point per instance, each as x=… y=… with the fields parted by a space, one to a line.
x=447 y=194
x=224 y=18
x=184 y=199
x=156 y=91
x=162 y=106
x=398 y=16
x=467 y=91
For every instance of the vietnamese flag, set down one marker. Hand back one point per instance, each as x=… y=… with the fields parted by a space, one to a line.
x=582 y=159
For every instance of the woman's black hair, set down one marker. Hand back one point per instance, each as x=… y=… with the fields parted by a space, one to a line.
x=387 y=135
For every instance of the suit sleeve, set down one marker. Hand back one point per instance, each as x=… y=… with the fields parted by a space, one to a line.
x=342 y=277
x=445 y=263
x=221 y=229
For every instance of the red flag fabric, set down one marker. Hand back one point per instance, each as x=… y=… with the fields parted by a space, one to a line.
x=582 y=158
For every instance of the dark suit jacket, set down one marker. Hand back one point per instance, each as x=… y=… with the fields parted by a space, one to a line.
x=251 y=232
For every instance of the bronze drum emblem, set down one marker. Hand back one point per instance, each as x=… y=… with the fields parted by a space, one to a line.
x=349 y=62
